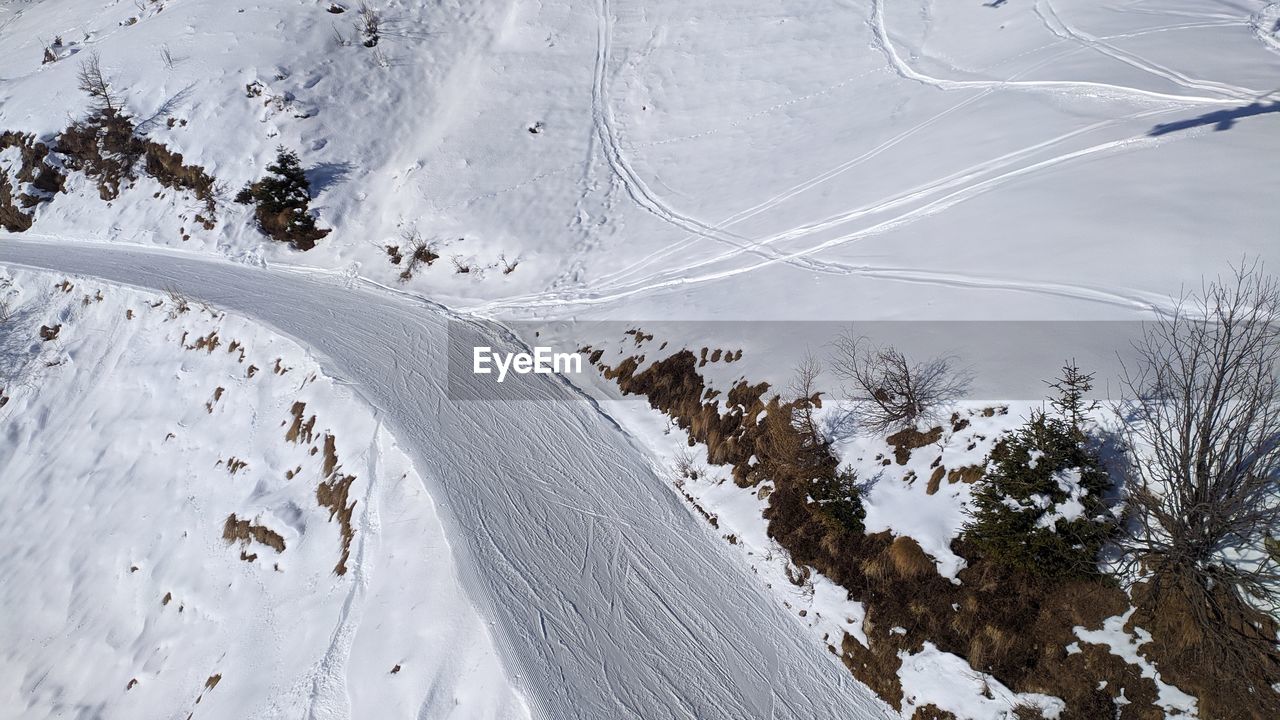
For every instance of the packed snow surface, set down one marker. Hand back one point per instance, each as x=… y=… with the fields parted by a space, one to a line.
x=608 y=597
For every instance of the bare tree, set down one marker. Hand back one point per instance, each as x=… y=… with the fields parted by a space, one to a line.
x=804 y=388
x=94 y=84
x=1202 y=405
x=889 y=389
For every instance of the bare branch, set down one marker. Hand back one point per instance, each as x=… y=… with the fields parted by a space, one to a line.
x=1202 y=410
x=890 y=390
x=93 y=83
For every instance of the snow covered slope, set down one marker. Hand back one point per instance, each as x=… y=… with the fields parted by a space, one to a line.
x=608 y=597
x=135 y=435
x=878 y=158
x=604 y=159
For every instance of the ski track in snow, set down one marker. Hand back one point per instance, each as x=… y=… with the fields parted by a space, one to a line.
x=850 y=164
x=637 y=190
x=609 y=597
x=959 y=186
x=1071 y=87
x=1056 y=25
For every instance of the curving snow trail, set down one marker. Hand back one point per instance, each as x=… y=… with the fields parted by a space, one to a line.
x=609 y=599
x=1075 y=87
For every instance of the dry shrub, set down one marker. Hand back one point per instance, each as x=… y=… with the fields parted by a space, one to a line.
x=932 y=712
x=1009 y=623
x=1231 y=662
x=889 y=390
x=169 y=170
x=907 y=558
x=1028 y=712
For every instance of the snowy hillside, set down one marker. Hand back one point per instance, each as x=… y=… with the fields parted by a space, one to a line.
x=699 y=197
x=170 y=551
x=948 y=159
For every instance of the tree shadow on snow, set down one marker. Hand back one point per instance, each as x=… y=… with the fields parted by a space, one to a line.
x=326 y=175
x=1220 y=119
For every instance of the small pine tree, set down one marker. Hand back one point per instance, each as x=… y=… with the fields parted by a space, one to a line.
x=838 y=498
x=283 y=200
x=1041 y=506
x=1073 y=387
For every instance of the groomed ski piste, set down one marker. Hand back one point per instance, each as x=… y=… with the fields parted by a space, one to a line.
x=600 y=160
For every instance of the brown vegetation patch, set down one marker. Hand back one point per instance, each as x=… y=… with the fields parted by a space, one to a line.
x=43 y=180
x=935 y=480
x=1010 y=624
x=1221 y=668
x=673 y=386
x=932 y=712
x=243 y=531
x=11 y=218
x=208 y=343
x=904 y=441
x=300 y=429
x=333 y=493
x=639 y=336
x=48 y=332
x=967 y=474
x=106 y=147
x=217 y=395
x=168 y=169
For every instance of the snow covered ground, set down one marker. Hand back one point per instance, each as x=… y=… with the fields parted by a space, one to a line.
x=130 y=436
x=608 y=597
x=876 y=158
x=865 y=159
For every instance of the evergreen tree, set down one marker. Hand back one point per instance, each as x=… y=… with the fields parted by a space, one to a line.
x=838 y=498
x=1073 y=387
x=283 y=200
x=1041 y=507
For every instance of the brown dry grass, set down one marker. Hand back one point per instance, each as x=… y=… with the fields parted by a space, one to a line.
x=1237 y=659
x=935 y=480
x=904 y=441
x=299 y=429
x=907 y=559
x=932 y=712
x=332 y=493
x=1012 y=625
x=168 y=169
x=243 y=531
